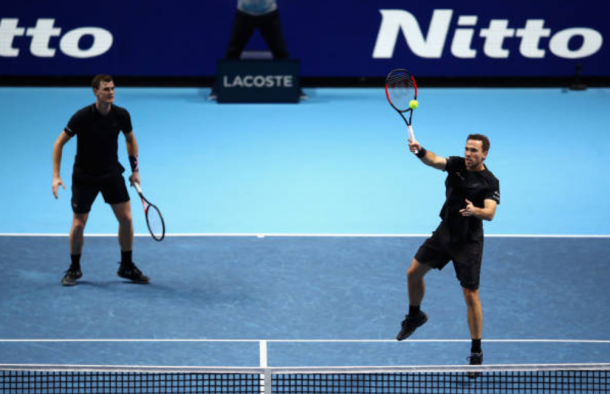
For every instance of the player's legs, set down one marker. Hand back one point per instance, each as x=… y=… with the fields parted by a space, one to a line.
x=432 y=254
x=475 y=312
x=127 y=269
x=467 y=263
x=115 y=193
x=122 y=211
x=415 y=282
x=77 y=232
x=416 y=289
x=76 y=240
x=475 y=324
x=83 y=195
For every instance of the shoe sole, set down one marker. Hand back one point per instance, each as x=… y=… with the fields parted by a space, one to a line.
x=399 y=338
x=140 y=282
x=71 y=283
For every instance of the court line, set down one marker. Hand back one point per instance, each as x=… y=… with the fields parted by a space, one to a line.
x=262 y=350
x=311 y=235
x=266 y=341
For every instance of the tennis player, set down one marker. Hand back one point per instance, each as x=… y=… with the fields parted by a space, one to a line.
x=473 y=194
x=97 y=169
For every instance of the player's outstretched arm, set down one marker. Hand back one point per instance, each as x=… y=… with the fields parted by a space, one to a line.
x=427 y=157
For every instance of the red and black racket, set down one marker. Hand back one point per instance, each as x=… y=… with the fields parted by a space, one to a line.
x=154 y=219
x=401 y=89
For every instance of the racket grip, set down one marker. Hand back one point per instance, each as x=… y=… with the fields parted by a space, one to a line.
x=412 y=137
x=137 y=186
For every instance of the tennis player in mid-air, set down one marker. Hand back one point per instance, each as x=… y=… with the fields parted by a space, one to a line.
x=472 y=193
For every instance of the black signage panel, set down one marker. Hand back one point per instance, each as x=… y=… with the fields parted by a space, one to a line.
x=258 y=81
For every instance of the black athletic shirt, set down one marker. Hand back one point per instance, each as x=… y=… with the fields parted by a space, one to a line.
x=97 y=140
x=461 y=184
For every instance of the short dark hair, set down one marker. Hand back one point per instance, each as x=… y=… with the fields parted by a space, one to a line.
x=99 y=79
x=482 y=138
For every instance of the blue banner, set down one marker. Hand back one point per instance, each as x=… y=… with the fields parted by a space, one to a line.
x=330 y=38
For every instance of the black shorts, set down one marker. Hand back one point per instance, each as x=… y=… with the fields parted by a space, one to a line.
x=438 y=250
x=85 y=190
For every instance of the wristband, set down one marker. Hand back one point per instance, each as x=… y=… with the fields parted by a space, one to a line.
x=133 y=162
x=422 y=152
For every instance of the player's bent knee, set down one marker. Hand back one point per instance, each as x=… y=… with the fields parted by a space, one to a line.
x=417 y=271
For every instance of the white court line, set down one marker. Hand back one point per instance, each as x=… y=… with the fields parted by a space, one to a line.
x=262 y=347
x=266 y=341
x=312 y=235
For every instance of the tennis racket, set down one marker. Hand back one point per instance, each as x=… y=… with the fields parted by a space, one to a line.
x=400 y=89
x=154 y=219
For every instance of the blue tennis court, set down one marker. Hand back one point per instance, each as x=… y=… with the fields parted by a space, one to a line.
x=291 y=227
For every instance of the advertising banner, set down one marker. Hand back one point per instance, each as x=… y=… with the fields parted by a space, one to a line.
x=338 y=38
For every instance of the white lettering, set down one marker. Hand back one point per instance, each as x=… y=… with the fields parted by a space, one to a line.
x=42 y=33
x=8 y=32
x=494 y=38
x=258 y=81
x=592 y=42
x=395 y=21
x=41 y=37
x=462 y=40
x=530 y=38
x=102 y=41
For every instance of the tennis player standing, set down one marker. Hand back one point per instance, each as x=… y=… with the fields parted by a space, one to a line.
x=472 y=194
x=97 y=169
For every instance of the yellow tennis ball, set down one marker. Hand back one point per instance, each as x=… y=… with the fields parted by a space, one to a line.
x=413 y=104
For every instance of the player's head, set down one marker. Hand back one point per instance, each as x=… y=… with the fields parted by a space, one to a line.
x=103 y=88
x=480 y=137
x=477 y=147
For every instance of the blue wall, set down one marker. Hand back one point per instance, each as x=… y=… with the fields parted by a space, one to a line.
x=331 y=38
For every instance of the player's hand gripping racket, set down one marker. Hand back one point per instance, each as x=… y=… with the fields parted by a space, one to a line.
x=401 y=89
x=154 y=219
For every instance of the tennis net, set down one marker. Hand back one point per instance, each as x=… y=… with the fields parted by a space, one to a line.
x=554 y=378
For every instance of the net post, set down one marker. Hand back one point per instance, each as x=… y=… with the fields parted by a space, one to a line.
x=266 y=383
x=268 y=388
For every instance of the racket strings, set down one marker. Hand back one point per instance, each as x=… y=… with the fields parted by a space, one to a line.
x=155 y=222
x=401 y=89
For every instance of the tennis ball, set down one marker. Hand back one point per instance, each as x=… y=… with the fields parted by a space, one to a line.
x=413 y=104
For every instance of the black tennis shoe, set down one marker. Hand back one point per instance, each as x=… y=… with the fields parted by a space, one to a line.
x=475 y=359
x=131 y=272
x=72 y=274
x=410 y=324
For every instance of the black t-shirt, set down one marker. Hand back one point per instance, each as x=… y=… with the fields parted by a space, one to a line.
x=97 y=140
x=461 y=184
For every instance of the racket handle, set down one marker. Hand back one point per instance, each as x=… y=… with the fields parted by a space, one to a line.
x=137 y=186
x=412 y=137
